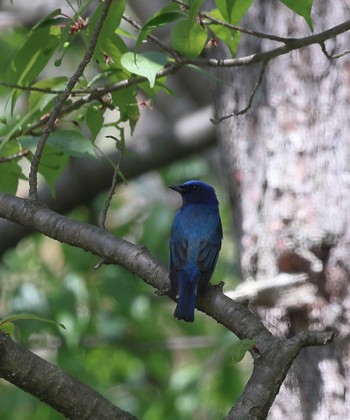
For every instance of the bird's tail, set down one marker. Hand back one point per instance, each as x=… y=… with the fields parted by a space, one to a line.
x=187 y=297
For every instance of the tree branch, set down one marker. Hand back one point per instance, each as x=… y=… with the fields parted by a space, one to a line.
x=263 y=57
x=237 y=28
x=52 y=385
x=250 y=101
x=275 y=355
x=33 y=174
x=266 y=56
x=85 y=178
x=269 y=372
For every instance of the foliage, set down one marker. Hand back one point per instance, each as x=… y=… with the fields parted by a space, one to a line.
x=26 y=57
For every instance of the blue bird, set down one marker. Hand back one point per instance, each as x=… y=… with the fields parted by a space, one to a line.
x=195 y=243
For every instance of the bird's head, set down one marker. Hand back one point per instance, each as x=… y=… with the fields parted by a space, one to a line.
x=196 y=192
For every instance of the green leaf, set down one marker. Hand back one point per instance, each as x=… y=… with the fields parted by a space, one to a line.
x=146 y=64
x=10 y=174
x=228 y=36
x=162 y=18
x=302 y=8
x=240 y=348
x=52 y=164
x=60 y=145
x=224 y=7
x=125 y=101
x=159 y=86
x=27 y=316
x=42 y=100
x=115 y=48
x=34 y=53
x=194 y=10
x=95 y=119
x=110 y=25
x=71 y=142
x=188 y=39
x=232 y=11
x=122 y=32
x=8 y=328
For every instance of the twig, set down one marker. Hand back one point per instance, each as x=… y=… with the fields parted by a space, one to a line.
x=332 y=56
x=30 y=88
x=265 y=56
x=113 y=186
x=111 y=192
x=151 y=37
x=99 y=92
x=215 y=21
x=251 y=97
x=342 y=54
x=42 y=90
x=33 y=174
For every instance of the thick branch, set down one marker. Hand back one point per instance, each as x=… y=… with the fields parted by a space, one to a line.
x=269 y=372
x=275 y=355
x=52 y=385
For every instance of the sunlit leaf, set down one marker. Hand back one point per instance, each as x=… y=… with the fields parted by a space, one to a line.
x=194 y=10
x=188 y=39
x=146 y=64
x=8 y=328
x=232 y=11
x=302 y=8
x=33 y=55
x=110 y=25
x=230 y=37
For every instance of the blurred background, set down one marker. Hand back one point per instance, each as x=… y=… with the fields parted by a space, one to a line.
x=120 y=338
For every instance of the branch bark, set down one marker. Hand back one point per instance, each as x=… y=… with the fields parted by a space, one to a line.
x=274 y=356
x=52 y=385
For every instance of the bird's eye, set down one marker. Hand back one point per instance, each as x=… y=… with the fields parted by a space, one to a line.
x=195 y=188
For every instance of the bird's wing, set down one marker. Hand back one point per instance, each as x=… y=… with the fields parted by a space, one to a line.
x=209 y=252
x=178 y=255
x=208 y=255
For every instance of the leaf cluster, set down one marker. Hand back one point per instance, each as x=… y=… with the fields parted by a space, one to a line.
x=108 y=85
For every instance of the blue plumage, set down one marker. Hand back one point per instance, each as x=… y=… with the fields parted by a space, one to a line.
x=195 y=243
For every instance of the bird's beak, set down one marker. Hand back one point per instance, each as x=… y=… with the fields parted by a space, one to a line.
x=179 y=188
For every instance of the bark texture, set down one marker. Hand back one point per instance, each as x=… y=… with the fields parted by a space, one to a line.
x=288 y=166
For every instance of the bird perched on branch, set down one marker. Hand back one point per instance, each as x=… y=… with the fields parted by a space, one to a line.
x=195 y=243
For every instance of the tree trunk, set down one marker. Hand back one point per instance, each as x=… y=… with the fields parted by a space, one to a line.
x=288 y=163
